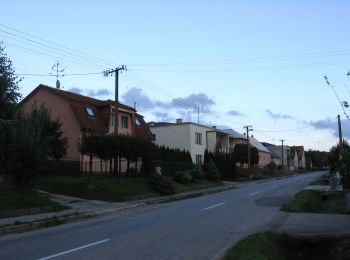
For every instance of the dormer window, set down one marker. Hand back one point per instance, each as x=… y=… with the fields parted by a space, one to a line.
x=137 y=122
x=90 y=111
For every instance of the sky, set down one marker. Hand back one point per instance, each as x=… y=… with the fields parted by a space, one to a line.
x=233 y=63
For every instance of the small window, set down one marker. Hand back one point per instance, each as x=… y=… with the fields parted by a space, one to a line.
x=124 y=121
x=198 y=138
x=137 y=122
x=153 y=137
x=199 y=159
x=90 y=111
x=112 y=119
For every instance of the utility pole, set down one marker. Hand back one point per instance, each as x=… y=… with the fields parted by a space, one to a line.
x=248 y=128
x=282 y=140
x=107 y=73
x=340 y=146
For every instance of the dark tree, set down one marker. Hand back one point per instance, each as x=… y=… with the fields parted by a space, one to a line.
x=9 y=95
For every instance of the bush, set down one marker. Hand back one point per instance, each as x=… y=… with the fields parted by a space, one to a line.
x=271 y=167
x=197 y=174
x=211 y=172
x=183 y=177
x=162 y=184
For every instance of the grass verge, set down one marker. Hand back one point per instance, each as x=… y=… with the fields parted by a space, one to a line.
x=273 y=246
x=110 y=189
x=312 y=201
x=13 y=202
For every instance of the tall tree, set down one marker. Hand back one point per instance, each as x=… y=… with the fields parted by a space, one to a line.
x=9 y=95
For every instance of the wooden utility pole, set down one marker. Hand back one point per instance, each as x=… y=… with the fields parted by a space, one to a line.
x=116 y=93
x=282 y=140
x=248 y=128
x=340 y=147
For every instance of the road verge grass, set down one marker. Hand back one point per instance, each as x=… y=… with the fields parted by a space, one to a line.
x=111 y=189
x=16 y=203
x=274 y=246
x=317 y=202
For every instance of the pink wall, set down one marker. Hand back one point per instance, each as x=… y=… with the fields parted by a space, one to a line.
x=60 y=108
x=264 y=159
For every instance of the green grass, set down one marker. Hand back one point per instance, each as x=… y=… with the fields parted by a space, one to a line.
x=262 y=246
x=97 y=188
x=273 y=246
x=321 y=181
x=11 y=200
x=311 y=201
x=110 y=189
x=199 y=184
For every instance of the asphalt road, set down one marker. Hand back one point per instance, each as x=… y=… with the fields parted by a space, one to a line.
x=199 y=228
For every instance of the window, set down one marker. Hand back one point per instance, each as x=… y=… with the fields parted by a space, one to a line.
x=137 y=122
x=198 y=138
x=124 y=121
x=90 y=111
x=199 y=159
x=112 y=119
x=153 y=137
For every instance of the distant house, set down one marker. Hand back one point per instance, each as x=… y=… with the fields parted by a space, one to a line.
x=275 y=157
x=283 y=154
x=192 y=137
x=301 y=157
x=79 y=114
x=237 y=138
x=293 y=159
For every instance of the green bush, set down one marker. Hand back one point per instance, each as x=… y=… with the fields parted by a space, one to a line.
x=271 y=167
x=197 y=174
x=162 y=184
x=183 y=177
x=211 y=172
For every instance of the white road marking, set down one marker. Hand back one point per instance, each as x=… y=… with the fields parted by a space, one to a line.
x=216 y=205
x=251 y=194
x=74 y=249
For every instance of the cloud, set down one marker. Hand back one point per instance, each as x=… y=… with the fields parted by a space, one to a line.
x=200 y=100
x=278 y=116
x=89 y=92
x=143 y=102
x=164 y=117
x=75 y=90
x=332 y=125
x=234 y=113
x=98 y=92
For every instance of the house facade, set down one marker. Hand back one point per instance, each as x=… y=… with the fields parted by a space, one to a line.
x=79 y=114
x=192 y=137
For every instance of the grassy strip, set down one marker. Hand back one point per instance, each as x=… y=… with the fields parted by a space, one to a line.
x=273 y=246
x=97 y=188
x=311 y=201
x=110 y=189
x=11 y=200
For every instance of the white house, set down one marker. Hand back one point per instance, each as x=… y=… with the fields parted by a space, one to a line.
x=191 y=137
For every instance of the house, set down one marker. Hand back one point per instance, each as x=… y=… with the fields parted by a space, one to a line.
x=191 y=137
x=293 y=159
x=275 y=157
x=79 y=114
x=283 y=154
x=301 y=157
x=235 y=138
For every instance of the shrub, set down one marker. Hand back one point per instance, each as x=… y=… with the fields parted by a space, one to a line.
x=162 y=184
x=183 y=177
x=197 y=174
x=211 y=172
x=271 y=167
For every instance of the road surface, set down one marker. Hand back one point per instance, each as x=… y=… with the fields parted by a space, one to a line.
x=199 y=228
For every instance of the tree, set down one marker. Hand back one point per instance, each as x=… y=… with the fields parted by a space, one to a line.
x=333 y=158
x=9 y=95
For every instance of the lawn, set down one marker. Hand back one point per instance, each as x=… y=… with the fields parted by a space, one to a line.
x=14 y=201
x=97 y=188
x=312 y=201
x=273 y=246
x=110 y=189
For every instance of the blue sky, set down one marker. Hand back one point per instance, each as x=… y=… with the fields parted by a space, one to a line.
x=258 y=63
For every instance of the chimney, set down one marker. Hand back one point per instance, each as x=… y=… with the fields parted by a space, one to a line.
x=179 y=121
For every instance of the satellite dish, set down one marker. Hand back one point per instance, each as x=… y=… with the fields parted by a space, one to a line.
x=58 y=84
